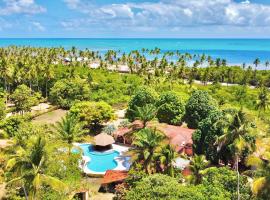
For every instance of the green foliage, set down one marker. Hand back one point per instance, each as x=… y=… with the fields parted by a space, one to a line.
x=11 y=124
x=23 y=98
x=226 y=179
x=198 y=107
x=28 y=168
x=205 y=136
x=69 y=129
x=170 y=109
x=163 y=187
x=263 y=101
x=113 y=88
x=2 y=109
x=67 y=91
x=238 y=136
x=142 y=97
x=147 y=142
x=197 y=164
x=145 y=113
x=93 y=113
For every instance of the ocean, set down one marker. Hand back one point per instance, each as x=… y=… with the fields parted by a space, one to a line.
x=235 y=51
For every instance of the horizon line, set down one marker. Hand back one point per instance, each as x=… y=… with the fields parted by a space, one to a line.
x=225 y=38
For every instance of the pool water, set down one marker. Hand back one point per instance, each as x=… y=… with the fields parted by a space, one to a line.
x=100 y=161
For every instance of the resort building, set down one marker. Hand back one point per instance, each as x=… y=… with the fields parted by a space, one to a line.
x=179 y=137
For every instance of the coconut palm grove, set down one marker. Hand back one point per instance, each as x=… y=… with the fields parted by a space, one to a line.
x=78 y=124
x=134 y=99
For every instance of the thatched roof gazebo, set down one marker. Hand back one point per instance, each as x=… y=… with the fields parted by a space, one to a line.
x=103 y=141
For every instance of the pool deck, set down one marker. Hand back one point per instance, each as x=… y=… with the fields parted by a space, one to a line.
x=122 y=160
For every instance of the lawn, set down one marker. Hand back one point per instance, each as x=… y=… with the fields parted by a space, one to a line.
x=50 y=117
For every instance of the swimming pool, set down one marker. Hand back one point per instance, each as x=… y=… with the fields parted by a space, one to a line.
x=99 y=161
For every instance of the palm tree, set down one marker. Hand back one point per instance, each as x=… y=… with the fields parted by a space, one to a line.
x=166 y=156
x=263 y=101
x=147 y=141
x=145 y=113
x=236 y=128
x=266 y=64
x=256 y=62
x=197 y=164
x=69 y=130
x=29 y=166
x=261 y=184
x=48 y=74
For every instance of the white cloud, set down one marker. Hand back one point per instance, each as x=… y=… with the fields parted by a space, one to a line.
x=38 y=26
x=173 y=14
x=245 y=2
x=21 y=7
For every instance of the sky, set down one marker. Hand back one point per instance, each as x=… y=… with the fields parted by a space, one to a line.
x=135 y=18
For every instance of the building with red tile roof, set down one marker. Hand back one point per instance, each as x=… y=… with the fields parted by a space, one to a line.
x=114 y=176
x=179 y=137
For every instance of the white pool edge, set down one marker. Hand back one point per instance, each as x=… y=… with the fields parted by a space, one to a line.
x=120 y=162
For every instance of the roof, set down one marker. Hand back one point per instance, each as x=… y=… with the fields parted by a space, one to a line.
x=181 y=163
x=112 y=176
x=103 y=139
x=179 y=136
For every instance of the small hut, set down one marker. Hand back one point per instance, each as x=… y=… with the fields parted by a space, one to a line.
x=103 y=142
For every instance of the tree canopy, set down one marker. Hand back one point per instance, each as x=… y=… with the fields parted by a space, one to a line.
x=142 y=97
x=92 y=113
x=170 y=109
x=198 y=107
x=67 y=91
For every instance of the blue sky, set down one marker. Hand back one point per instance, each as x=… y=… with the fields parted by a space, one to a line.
x=135 y=18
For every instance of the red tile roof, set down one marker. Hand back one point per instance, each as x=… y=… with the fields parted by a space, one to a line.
x=178 y=136
x=112 y=176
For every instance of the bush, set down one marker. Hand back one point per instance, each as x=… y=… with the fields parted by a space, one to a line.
x=206 y=134
x=2 y=109
x=160 y=186
x=66 y=91
x=141 y=98
x=23 y=98
x=226 y=179
x=170 y=109
x=93 y=113
x=198 y=107
x=12 y=124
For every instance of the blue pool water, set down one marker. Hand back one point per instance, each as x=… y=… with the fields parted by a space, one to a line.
x=100 y=162
x=235 y=51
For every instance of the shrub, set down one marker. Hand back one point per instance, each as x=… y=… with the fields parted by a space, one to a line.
x=198 y=107
x=93 y=113
x=141 y=98
x=170 y=109
x=66 y=91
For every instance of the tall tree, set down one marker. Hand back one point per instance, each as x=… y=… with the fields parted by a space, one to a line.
x=197 y=164
x=235 y=132
x=256 y=62
x=167 y=155
x=145 y=113
x=69 y=130
x=147 y=141
x=263 y=101
x=29 y=167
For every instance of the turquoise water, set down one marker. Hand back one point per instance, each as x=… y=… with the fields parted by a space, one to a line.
x=235 y=51
x=100 y=162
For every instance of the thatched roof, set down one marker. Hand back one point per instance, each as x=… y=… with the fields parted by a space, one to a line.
x=103 y=139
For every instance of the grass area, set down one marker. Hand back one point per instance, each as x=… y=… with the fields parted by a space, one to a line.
x=50 y=117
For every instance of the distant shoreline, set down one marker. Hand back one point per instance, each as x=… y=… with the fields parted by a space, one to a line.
x=236 y=51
